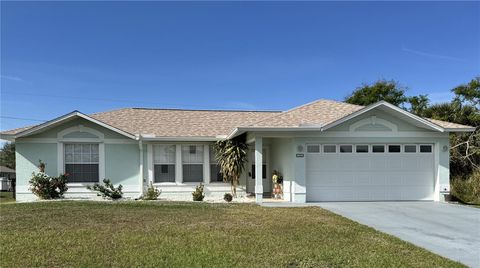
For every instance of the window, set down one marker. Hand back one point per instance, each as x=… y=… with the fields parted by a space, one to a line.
x=264 y=164
x=394 y=148
x=215 y=175
x=346 y=148
x=361 y=148
x=81 y=162
x=192 y=163
x=164 y=163
x=313 y=148
x=410 y=148
x=425 y=148
x=329 y=149
x=378 y=148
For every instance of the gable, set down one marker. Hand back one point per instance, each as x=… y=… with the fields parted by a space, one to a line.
x=377 y=120
x=78 y=128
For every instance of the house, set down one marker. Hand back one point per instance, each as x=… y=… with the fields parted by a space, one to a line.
x=7 y=175
x=325 y=150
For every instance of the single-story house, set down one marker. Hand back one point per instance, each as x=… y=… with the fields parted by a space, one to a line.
x=6 y=176
x=325 y=150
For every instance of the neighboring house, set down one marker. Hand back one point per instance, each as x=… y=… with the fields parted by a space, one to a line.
x=325 y=150
x=6 y=176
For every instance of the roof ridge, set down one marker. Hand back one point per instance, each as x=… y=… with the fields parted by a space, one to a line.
x=207 y=110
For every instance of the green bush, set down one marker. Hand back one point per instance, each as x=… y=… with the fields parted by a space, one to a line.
x=107 y=191
x=228 y=197
x=198 y=195
x=152 y=193
x=46 y=187
x=467 y=189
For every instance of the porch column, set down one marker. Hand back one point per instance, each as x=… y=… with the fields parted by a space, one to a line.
x=258 y=169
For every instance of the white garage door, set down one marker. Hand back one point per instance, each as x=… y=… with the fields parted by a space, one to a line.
x=369 y=172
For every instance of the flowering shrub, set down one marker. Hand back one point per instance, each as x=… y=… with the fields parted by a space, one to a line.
x=46 y=187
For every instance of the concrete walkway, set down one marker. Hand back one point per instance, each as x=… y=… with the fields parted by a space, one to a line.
x=452 y=231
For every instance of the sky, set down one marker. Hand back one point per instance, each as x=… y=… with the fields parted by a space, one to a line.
x=57 y=57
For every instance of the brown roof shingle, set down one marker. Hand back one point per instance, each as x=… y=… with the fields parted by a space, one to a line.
x=179 y=123
x=319 y=112
x=214 y=123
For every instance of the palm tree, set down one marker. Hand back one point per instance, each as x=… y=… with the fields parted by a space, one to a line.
x=231 y=156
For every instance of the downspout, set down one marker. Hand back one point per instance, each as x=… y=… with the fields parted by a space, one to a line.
x=140 y=145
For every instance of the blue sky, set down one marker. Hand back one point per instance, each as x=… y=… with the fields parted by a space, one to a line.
x=95 y=56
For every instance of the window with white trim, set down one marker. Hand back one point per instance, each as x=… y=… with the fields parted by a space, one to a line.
x=394 y=148
x=329 y=148
x=346 y=149
x=164 y=163
x=192 y=163
x=215 y=175
x=361 y=148
x=410 y=148
x=426 y=148
x=313 y=148
x=378 y=148
x=81 y=162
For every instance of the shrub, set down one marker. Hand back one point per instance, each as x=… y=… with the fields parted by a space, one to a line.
x=152 y=193
x=46 y=187
x=107 y=191
x=228 y=197
x=467 y=189
x=198 y=195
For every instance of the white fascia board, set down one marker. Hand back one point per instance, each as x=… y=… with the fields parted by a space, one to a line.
x=181 y=138
x=388 y=105
x=68 y=116
x=239 y=131
x=468 y=129
x=7 y=137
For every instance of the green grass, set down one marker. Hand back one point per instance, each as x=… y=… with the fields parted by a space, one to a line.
x=6 y=197
x=160 y=234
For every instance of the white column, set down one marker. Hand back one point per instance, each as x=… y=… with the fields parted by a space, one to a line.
x=206 y=163
x=178 y=164
x=258 y=169
x=150 y=163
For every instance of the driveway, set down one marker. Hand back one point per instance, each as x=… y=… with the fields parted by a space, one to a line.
x=452 y=231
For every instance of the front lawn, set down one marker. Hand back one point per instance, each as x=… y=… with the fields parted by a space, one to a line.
x=159 y=234
x=6 y=197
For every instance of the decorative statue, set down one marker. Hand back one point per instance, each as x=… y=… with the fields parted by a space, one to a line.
x=277 y=180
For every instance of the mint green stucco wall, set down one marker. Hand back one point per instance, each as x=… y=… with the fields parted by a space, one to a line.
x=282 y=160
x=27 y=156
x=122 y=163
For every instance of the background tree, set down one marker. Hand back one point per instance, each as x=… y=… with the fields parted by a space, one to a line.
x=232 y=155
x=7 y=155
x=389 y=91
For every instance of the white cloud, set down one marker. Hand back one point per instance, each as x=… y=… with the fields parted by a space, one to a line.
x=431 y=55
x=13 y=78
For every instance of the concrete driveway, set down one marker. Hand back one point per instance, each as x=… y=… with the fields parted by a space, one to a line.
x=452 y=231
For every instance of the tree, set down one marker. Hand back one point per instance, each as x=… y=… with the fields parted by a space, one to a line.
x=469 y=93
x=232 y=155
x=418 y=104
x=389 y=91
x=7 y=155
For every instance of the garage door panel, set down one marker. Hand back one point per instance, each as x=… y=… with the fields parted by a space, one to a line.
x=370 y=177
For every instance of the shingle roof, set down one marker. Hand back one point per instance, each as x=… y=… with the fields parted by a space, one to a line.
x=180 y=123
x=445 y=124
x=5 y=169
x=214 y=123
